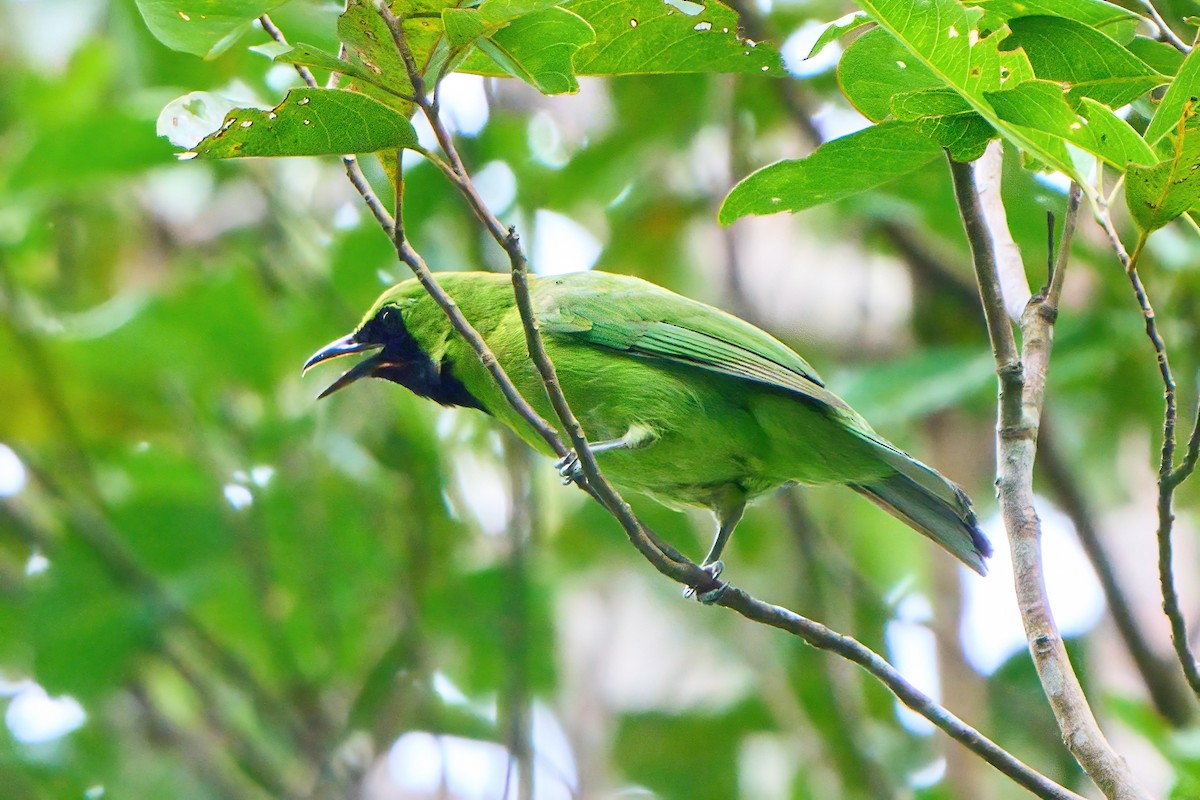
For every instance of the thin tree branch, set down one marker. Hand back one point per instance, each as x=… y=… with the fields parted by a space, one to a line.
x=273 y=31
x=849 y=648
x=1169 y=477
x=1164 y=29
x=1022 y=388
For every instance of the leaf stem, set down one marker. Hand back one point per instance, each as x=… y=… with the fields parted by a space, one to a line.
x=1169 y=476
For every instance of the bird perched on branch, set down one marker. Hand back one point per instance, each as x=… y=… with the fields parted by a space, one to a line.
x=680 y=400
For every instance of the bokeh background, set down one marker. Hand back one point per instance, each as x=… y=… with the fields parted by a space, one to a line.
x=212 y=586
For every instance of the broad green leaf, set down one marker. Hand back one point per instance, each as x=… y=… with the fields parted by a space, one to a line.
x=1043 y=106
x=465 y=25
x=1159 y=56
x=944 y=116
x=944 y=37
x=1175 y=103
x=875 y=68
x=366 y=35
x=837 y=29
x=202 y=27
x=837 y=169
x=966 y=136
x=1090 y=63
x=651 y=36
x=1116 y=22
x=912 y=106
x=1158 y=194
x=309 y=56
x=310 y=122
x=539 y=48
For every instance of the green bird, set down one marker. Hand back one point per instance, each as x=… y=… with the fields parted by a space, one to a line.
x=681 y=401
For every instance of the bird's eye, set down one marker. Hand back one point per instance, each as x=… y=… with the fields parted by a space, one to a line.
x=389 y=318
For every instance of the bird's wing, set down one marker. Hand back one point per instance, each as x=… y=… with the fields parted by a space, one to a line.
x=653 y=323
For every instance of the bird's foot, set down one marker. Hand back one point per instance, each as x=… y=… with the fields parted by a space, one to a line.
x=569 y=467
x=712 y=590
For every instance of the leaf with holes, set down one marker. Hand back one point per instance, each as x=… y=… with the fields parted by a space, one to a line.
x=538 y=46
x=1114 y=21
x=202 y=27
x=1090 y=63
x=310 y=122
x=839 y=168
x=875 y=68
x=371 y=47
x=1158 y=194
x=1043 y=106
x=652 y=36
x=946 y=40
x=837 y=29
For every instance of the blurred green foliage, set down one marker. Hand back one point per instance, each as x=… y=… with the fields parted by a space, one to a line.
x=253 y=595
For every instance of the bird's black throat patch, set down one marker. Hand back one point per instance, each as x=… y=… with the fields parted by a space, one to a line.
x=404 y=362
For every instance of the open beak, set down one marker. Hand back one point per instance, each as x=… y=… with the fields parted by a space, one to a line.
x=344 y=347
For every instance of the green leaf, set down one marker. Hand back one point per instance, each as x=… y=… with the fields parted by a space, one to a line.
x=310 y=122
x=875 y=68
x=1179 y=96
x=837 y=29
x=202 y=27
x=371 y=47
x=1158 y=194
x=651 y=36
x=946 y=40
x=539 y=47
x=464 y=25
x=944 y=116
x=309 y=56
x=1160 y=56
x=837 y=169
x=1043 y=106
x=1116 y=22
x=1092 y=64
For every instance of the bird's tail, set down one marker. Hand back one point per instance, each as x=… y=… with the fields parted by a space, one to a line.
x=920 y=497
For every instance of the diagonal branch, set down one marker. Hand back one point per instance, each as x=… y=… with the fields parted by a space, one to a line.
x=1022 y=388
x=1169 y=476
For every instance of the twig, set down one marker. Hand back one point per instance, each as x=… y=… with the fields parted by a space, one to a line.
x=273 y=31
x=847 y=647
x=1169 y=476
x=1022 y=388
x=1164 y=28
x=1169 y=694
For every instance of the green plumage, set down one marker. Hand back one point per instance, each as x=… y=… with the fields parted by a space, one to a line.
x=700 y=407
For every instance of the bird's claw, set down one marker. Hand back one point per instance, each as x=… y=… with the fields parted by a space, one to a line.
x=569 y=468
x=714 y=592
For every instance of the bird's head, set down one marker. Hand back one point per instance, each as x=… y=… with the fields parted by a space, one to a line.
x=386 y=332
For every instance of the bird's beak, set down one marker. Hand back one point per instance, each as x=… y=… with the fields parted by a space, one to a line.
x=344 y=347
